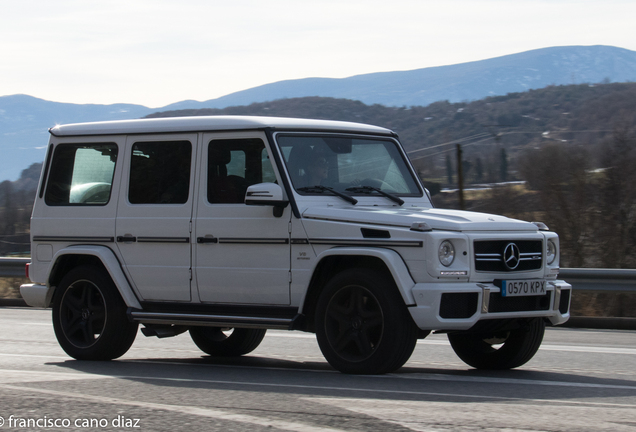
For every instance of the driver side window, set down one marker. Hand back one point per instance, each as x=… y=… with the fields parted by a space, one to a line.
x=233 y=166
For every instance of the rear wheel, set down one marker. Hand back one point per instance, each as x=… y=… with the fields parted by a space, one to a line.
x=226 y=342
x=362 y=324
x=502 y=350
x=89 y=316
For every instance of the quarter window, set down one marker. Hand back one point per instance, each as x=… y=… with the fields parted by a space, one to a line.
x=81 y=174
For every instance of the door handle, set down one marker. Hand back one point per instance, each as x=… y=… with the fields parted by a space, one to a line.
x=126 y=239
x=207 y=240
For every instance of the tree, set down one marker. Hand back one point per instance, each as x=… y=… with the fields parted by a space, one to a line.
x=449 y=169
x=479 y=171
x=559 y=174
x=616 y=201
x=503 y=165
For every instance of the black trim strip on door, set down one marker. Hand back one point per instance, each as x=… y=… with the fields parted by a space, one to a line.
x=254 y=240
x=380 y=243
x=163 y=239
x=73 y=239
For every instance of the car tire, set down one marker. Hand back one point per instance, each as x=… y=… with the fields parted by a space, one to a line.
x=362 y=324
x=517 y=346
x=219 y=342
x=89 y=316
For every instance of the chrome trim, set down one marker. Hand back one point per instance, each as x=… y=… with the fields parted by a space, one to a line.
x=485 y=298
x=557 y=295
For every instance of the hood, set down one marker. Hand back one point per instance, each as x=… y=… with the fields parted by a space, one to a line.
x=438 y=219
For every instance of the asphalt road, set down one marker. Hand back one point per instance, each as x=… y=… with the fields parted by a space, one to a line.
x=581 y=380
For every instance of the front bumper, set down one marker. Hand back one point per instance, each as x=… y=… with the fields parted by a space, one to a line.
x=459 y=306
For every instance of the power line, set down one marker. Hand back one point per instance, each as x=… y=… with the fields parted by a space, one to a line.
x=457 y=141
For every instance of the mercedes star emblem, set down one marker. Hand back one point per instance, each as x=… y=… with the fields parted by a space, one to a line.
x=511 y=256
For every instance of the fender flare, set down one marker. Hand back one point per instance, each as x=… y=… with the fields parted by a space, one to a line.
x=392 y=260
x=111 y=264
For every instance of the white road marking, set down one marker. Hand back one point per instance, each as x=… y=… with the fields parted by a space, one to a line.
x=25 y=376
x=528 y=414
x=35 y=356
x=33 y=376
x=183 y=409
x=544 y=347
x=514 y=381
x=588 y=349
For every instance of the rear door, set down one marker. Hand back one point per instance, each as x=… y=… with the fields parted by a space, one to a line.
x=154 y=215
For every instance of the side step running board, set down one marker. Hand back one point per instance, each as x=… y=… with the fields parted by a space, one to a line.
x=212 y=320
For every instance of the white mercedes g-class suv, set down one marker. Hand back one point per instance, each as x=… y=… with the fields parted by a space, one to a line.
x=228 y=226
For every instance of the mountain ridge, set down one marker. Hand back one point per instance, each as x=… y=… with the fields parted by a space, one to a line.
x=25 y=120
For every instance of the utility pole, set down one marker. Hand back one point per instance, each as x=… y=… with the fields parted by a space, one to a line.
x=460 y=177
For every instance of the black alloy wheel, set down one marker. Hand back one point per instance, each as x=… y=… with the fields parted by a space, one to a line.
x=82 y=313
x=89 y=316
x=362 y=324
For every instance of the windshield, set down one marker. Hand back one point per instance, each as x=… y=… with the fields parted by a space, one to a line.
x=344 y=164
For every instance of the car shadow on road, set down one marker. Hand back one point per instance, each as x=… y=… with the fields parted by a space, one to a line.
x=273 y=375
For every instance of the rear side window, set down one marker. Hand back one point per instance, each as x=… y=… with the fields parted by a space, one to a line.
x=160 y=172
x=81 y=174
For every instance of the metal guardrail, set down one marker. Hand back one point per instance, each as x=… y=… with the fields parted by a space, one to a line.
x=616 y=280
x=600 y=279
x=580 y=278
x=13 y=267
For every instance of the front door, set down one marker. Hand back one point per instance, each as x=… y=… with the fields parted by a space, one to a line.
x=242 y=253
x=154 y=215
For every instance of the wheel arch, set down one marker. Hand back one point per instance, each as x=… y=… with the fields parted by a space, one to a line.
x=100 y=256
x=333 y=261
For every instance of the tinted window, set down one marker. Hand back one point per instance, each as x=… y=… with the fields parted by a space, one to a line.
x=160 y=172
x=233 y=165
x=81 y=174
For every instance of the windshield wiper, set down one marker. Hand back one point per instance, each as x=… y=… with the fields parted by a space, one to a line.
x=319 y=189
x=369 y=189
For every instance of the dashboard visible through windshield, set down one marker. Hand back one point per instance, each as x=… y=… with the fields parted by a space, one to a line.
x=351 y=166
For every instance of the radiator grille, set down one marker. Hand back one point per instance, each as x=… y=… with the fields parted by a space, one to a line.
x=519 y=304
x=508 y=255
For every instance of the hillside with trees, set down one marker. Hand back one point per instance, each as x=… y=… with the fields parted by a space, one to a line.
x=571 y=148
x=577 y=114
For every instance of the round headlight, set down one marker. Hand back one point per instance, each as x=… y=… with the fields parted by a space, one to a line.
x=552 y=252
x=446 y=253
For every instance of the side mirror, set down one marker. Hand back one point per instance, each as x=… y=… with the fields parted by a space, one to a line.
x=267 y=194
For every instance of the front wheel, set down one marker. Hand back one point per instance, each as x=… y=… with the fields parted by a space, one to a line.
x=502 y=350
x=89 y=316
x=363 y=325
x=226 y=342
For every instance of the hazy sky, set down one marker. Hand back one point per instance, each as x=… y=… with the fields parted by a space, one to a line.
x=156 y=52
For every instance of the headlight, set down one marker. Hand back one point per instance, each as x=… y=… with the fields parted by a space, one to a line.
x=552 y=252
x=446 y=253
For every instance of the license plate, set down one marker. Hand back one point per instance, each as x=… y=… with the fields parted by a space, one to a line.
x=518 y=288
